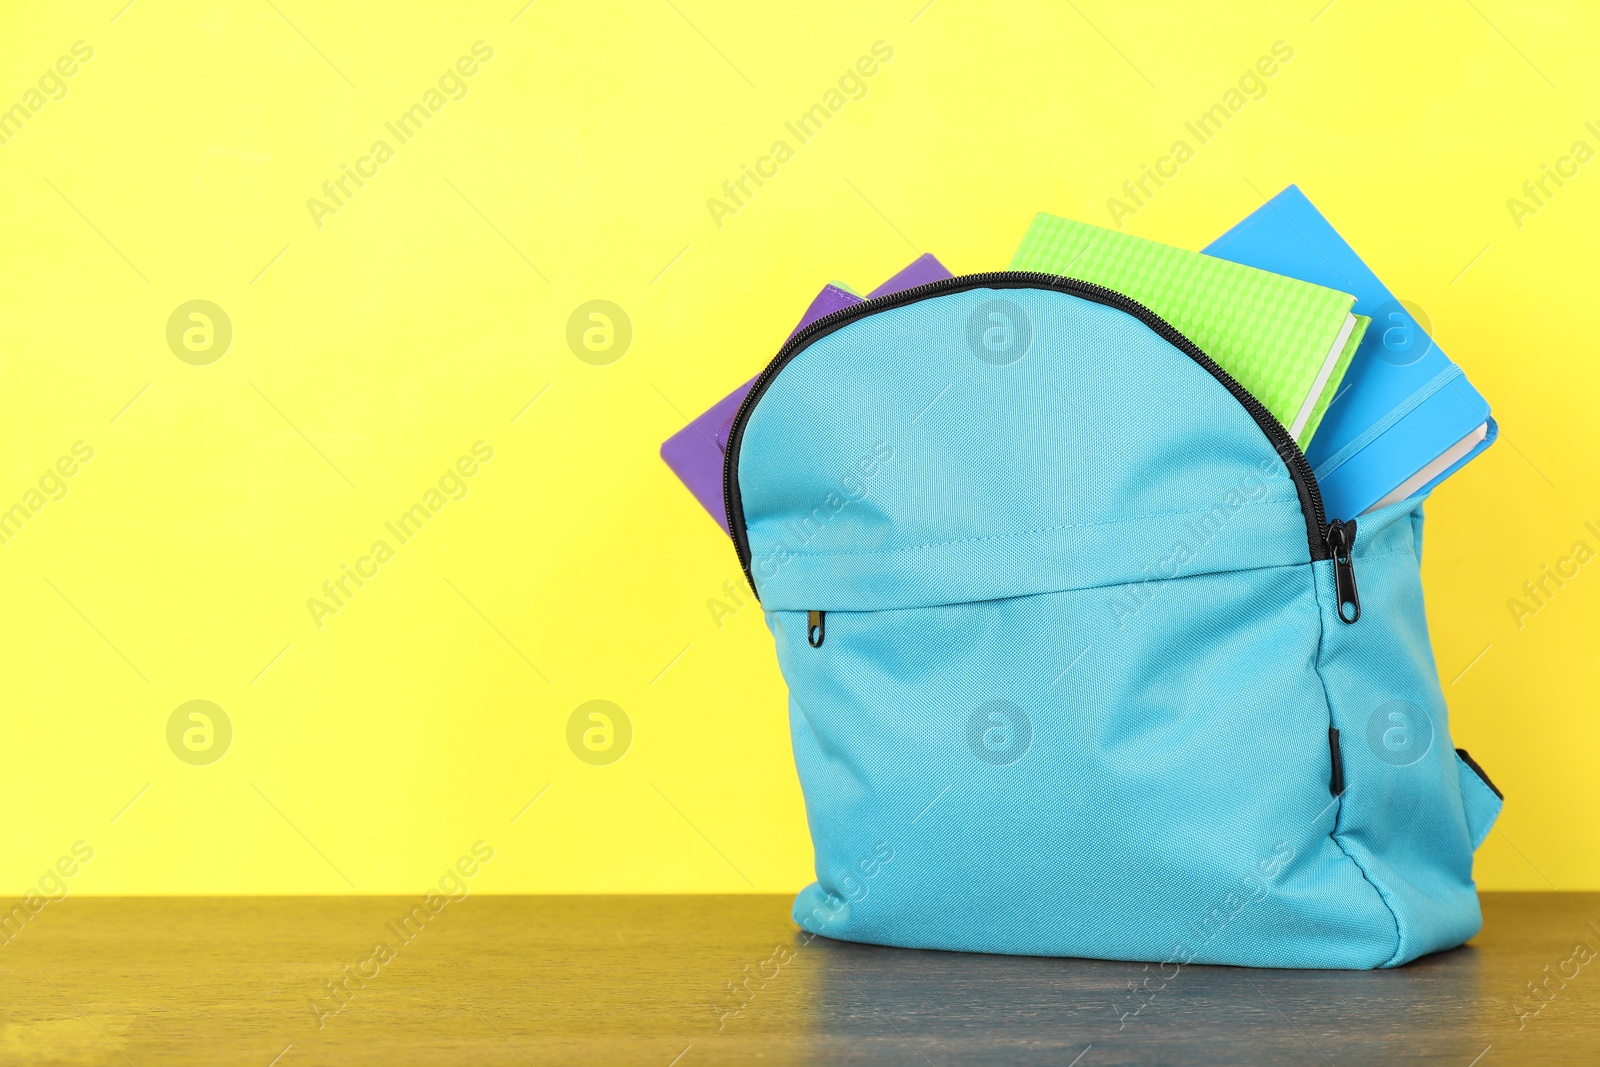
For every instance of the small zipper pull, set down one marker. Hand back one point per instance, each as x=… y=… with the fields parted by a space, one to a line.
x=1341 y=538
x=814 y=628
x=1336 y=780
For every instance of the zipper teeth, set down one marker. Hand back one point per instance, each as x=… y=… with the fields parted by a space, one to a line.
x=1285 y=445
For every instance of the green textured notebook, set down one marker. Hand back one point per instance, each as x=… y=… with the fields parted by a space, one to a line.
x=1288 y=342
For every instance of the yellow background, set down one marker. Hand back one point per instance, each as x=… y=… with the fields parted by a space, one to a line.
x=369 y=353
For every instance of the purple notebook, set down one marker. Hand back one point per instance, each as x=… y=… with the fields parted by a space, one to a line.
x=695 y=452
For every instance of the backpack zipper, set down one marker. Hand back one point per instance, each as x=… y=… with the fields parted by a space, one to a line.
x=1318 y=528
x=1341 y=536
x=1336 y=779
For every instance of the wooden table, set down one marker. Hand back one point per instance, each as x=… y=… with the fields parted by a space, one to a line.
x=649 y=980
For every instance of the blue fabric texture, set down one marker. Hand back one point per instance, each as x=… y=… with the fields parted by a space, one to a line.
x=1079 y=668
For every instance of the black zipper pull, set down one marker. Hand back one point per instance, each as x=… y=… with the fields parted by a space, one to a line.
x=1336 y=781
x=814 y=628
x=1341 y=539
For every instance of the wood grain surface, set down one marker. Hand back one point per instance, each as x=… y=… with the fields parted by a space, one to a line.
x=684 y=981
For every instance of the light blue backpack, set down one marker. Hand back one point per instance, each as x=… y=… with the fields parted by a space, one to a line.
x=1077 y=665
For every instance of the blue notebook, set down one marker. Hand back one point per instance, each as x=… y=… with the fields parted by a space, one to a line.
x=1405 y=417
